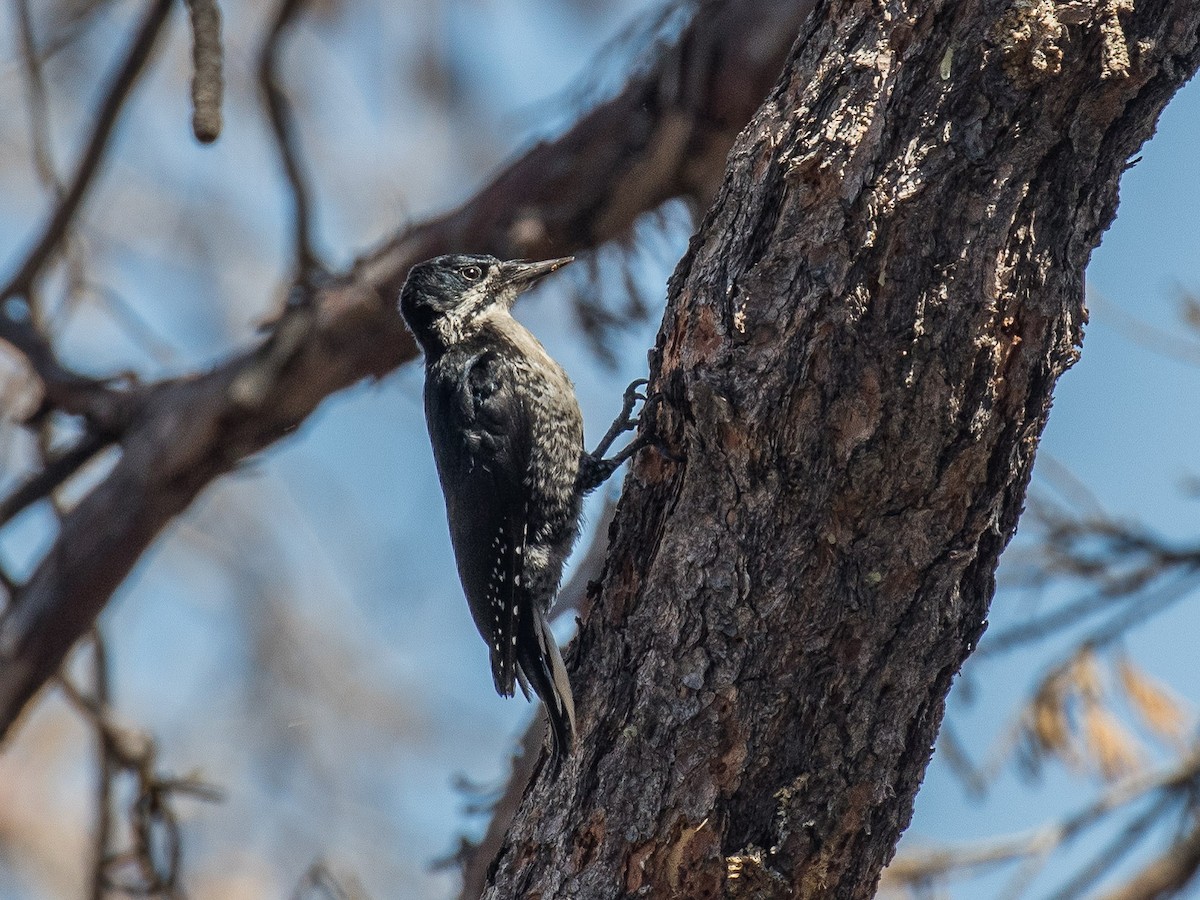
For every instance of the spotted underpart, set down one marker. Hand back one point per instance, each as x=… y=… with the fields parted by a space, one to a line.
x=507 y=437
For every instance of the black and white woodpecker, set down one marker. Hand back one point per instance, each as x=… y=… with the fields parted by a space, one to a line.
x=507 y=437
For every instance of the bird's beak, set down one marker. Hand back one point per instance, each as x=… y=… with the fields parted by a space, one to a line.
x=521 y=274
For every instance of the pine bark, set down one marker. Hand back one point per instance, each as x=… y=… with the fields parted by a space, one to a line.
x=855 y=364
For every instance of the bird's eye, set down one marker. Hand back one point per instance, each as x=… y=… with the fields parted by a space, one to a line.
x=471 y=273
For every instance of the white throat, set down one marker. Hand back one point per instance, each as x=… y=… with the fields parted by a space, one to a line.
x=466 y=317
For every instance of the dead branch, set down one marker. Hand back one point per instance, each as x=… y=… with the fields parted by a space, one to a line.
x=917 y=867
x=152 y=864
x=94 y=151
x=283 y=125
x=319 y=883
x=1129 y=572
x=56 y=471
x=1166 y=875
x=108 y=408
x=35 y=88
x=477 y=859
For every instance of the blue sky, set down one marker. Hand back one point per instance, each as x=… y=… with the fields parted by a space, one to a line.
x=1123 y=423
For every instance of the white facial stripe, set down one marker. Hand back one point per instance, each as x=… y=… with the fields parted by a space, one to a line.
x=473 y=300
x=453 y=325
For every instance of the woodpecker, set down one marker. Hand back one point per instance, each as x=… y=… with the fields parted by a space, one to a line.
x=507 y=437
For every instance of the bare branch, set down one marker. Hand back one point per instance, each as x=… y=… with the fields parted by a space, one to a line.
x=56 y=471
x=19 y=324
x=36 y=89
x=155 y=857
x=1168 y=344
x=106 y=117
x=920 y=866
x=283 y=123
x=108 y=409
x=105 y=763
x=667 y=134
x=478 y=859
x=1167 y=875
x=319 y=883
x=1115 y=850
x=1127 y=568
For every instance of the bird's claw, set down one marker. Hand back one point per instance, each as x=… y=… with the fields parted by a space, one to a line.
x=633 y=395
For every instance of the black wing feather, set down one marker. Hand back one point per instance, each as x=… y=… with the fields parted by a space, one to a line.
x=478 y=427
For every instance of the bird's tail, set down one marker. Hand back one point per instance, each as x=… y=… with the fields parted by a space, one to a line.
x=542 y=664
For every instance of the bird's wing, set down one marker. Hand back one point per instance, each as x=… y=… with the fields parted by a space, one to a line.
x=480 y=432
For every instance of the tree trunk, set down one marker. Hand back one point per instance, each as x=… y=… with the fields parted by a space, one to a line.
x=856 y=364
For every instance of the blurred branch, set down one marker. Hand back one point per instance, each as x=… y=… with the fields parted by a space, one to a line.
x=319 y=883
x=477 y=859
x=665 y=135
x=1167 y=875
x=1128 y=568
x=155 y=856
x=19 y=320
x=72 y=21
x=920 y=867
x=134 y=323
x=283 y=124
x=974 y=779
x=1165 y=343
x=56 y=471
x=107 y=767
x=106 y=116
x=1115 y=850
x=207 y=85
x=36 y=90
x=108 y=409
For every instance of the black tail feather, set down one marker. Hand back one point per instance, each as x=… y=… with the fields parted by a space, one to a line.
x=542 y=664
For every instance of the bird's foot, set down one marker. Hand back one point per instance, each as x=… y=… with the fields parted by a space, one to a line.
x=594 y=468
x=626 y=421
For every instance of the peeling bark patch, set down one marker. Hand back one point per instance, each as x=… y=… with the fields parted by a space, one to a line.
x=635 y=867
x=1029 y=36
x=1114 y=62
x=1032 y=33
x=705 y=338
x=748 y=875
x=588 y=841
x=687 y=863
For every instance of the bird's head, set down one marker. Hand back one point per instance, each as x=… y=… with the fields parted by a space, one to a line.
x=445 y=298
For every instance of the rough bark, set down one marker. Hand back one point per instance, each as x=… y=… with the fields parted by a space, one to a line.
x=665 y=135
x=856 y=362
